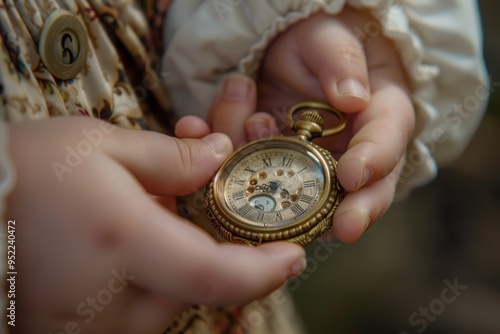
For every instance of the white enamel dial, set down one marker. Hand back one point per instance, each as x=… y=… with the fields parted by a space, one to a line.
x=272 y=186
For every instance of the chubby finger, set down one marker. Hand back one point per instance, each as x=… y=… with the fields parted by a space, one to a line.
x=382 y=130
x=261 y=125
x=382 y=133
x=232 y=106
x=360 y=209
x=177 y=259
x=191 y=127
x=165 y=165
x=331 y=50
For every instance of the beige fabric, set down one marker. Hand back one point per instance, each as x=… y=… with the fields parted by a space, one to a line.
x=439 y=43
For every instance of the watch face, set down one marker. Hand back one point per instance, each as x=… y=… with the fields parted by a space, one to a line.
x=271 y=184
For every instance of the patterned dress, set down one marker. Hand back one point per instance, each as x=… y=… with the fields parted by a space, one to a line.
x=120 y=82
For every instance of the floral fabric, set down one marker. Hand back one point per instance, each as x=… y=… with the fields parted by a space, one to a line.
x=119 y=39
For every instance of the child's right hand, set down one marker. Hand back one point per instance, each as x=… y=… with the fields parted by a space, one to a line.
x=95 y=249
x=322 y=59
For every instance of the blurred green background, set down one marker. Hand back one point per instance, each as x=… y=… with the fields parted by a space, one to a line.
x=397 y=278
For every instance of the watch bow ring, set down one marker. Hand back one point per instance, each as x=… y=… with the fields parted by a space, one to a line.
x=279 y=188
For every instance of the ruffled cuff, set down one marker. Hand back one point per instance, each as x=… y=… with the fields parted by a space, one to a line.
x=249 y=64
x=440 y=44
x=207 y=40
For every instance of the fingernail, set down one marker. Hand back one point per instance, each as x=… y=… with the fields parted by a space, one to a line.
x=352 y=87
x=261 y=127
x=237 y=88
x=367 y=175
x=218 y=142
x=297 y=268
x=367 y=222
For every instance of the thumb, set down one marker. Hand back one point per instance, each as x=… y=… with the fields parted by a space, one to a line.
x=180 y=260
x=165 y=165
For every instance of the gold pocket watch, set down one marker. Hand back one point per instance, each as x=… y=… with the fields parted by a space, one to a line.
x=279 y=188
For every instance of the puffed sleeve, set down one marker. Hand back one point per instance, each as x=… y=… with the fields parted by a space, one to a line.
x=6 y=183
x=440 y=44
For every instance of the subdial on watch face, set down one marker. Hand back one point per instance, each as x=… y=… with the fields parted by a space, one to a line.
x=264 y=203
x=274 y=187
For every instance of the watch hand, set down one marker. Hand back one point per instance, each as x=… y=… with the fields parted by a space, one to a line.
x=270 y=187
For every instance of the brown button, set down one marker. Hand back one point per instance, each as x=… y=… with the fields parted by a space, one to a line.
x=63 y=44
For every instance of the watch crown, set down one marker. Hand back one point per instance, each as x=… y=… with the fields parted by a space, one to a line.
x=312 y=116
x=309 y=126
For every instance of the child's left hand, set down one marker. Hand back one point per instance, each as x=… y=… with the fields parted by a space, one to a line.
x=320 y=59
x=100 y=248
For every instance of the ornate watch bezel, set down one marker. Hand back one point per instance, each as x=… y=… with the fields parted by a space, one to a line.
x=312 y=225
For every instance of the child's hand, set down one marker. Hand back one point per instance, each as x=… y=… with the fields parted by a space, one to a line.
x=321 y=59
x=95 y=249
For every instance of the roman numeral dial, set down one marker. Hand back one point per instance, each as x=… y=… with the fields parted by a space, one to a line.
x=273 y=187
x=279 y=188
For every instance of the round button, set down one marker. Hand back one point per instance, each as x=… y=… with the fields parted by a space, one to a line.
x=63 y=44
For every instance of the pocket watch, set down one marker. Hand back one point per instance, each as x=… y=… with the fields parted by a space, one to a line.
x=279 y=188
